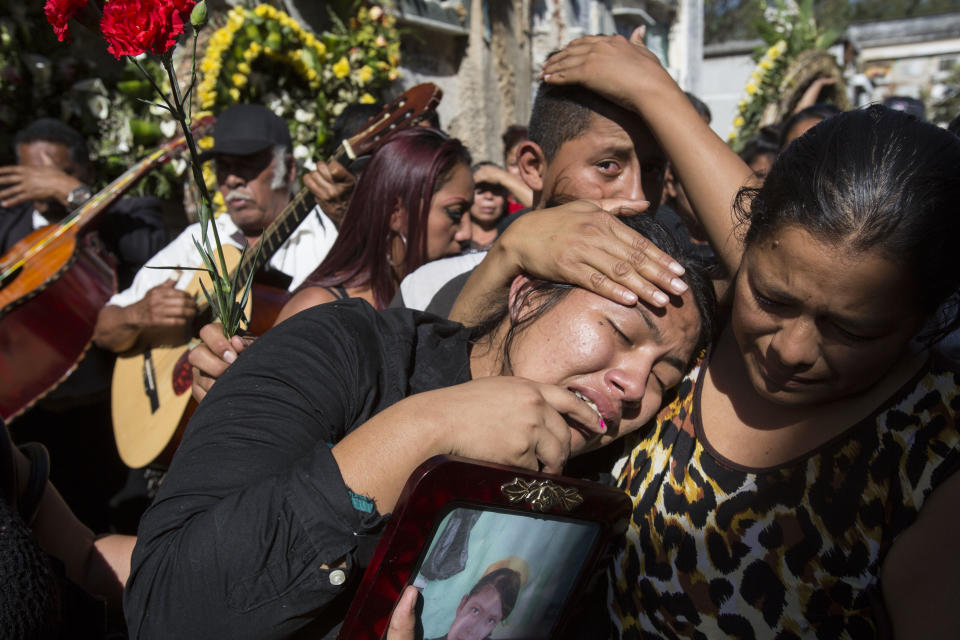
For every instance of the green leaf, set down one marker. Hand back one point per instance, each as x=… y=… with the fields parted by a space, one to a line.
x=214 y=306
x=207 y=259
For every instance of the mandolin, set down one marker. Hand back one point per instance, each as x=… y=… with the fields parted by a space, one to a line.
x=53 y=284
x=150 y=394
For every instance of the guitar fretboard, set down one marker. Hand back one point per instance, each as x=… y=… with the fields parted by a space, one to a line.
x=280 y=229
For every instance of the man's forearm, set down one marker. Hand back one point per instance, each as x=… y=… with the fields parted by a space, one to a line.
x=114 y=330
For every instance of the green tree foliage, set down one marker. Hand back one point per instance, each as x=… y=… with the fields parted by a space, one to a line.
x=727 y=20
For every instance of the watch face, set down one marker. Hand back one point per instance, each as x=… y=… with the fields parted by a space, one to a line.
x=78 y=196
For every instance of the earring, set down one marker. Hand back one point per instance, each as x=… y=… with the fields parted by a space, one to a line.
x=403 y=240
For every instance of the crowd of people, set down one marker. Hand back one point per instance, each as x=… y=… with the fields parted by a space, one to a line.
x=755 y=348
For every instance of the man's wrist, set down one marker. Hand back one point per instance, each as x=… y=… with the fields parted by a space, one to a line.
x=78 y=196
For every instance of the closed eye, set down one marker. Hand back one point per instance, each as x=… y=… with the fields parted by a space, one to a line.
x=620 y=333
x=456 y=213
x=659 y=381
x=849 y=336
x=766 y=302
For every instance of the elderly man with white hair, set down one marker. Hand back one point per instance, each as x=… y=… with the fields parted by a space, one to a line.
x=255 y=174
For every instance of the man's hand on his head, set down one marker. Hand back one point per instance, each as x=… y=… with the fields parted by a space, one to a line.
x=26 y=184
x=612 y=66
x=492 y=174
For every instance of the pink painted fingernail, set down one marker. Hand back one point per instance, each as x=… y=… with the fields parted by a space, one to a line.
x=677 y=268
x=660 y=298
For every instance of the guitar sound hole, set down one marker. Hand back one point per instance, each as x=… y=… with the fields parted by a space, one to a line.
x=182 y=375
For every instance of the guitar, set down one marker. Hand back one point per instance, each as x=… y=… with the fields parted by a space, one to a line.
x=150 y=394
x=52 y=286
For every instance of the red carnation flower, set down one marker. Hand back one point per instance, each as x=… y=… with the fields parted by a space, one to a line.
x=184 y=7
x=132 y=27
x=59 y=13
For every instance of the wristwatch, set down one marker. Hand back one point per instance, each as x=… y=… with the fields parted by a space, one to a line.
x=78 y=196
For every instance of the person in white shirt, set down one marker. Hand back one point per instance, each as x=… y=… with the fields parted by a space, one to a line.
x=255 y=173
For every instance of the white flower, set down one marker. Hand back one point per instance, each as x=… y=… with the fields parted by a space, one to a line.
x=124 y=138
x=93 y=85
x=99 y=106
x=300 y=152
x=302 y=115
x=179 y=165
x=309 y=164
x=274 y=103
x=168 y=128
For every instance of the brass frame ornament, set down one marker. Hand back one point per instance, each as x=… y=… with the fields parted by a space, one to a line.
x=541 y=495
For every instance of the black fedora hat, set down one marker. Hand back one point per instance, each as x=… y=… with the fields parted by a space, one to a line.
x=244 y=129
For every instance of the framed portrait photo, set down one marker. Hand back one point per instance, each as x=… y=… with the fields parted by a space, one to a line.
x=495 y=552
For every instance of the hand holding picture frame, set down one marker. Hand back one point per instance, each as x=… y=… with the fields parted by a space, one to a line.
x=495 y=551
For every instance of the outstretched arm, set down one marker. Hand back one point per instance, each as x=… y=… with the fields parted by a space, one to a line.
x=628 y=74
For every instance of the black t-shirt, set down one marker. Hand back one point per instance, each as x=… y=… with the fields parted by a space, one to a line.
x=254 y=501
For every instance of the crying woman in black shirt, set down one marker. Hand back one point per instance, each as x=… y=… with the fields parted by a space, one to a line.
x=292 y=463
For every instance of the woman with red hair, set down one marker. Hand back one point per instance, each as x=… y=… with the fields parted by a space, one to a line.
x=409 y=207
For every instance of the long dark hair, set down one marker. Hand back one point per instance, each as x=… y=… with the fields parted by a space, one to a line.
x=406 y=170
x=873 y=179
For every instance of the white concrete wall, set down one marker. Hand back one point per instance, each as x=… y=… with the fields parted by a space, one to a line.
x=721 y=85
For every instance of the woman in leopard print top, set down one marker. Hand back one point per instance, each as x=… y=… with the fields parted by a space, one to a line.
x=803 y=481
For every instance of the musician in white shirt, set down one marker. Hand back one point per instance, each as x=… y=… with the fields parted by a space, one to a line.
x=255 y=174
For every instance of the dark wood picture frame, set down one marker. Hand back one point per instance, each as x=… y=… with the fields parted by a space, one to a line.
x=445 y=483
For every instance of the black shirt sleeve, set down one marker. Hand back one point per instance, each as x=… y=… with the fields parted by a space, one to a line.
x=254 y=503
x=132 y=229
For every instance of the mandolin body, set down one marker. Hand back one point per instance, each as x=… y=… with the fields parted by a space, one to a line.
x=42 y=342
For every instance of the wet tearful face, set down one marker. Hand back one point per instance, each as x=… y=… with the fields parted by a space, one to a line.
x=620 y=359
x=816 y=321
x=612 y=158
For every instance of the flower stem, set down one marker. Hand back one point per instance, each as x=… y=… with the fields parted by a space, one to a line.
x=195 y=159
x=156 y=87
x=193 y=74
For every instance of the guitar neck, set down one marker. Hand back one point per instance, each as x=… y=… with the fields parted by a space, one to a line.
x=77 y=220
x=87 y=213
x=283 y=226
